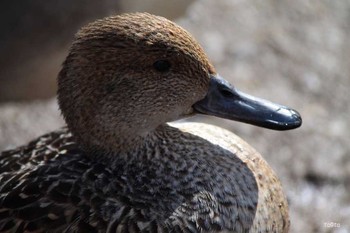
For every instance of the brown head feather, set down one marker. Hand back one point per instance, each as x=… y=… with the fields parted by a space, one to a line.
x=109 y=91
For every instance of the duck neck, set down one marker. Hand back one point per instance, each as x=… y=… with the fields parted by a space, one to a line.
x=127 y=145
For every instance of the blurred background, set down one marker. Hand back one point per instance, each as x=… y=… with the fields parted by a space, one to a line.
x=296 y=53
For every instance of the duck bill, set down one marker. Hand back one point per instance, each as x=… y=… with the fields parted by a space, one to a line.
x=225 y=101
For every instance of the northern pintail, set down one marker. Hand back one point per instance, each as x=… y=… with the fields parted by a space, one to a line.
x=119 y=166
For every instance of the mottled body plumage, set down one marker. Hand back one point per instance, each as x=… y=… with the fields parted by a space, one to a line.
x=181 y=183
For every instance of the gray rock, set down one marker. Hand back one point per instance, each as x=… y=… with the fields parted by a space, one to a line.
x=22 y=122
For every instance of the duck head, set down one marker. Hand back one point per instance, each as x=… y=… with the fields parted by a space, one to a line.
x=127 y=75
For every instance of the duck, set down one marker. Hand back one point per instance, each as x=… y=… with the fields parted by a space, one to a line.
x=124 y=163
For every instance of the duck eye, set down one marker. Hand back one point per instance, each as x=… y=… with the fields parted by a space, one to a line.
x=162 y=65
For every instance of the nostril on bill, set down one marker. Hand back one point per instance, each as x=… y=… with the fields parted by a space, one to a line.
x=227 y=93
